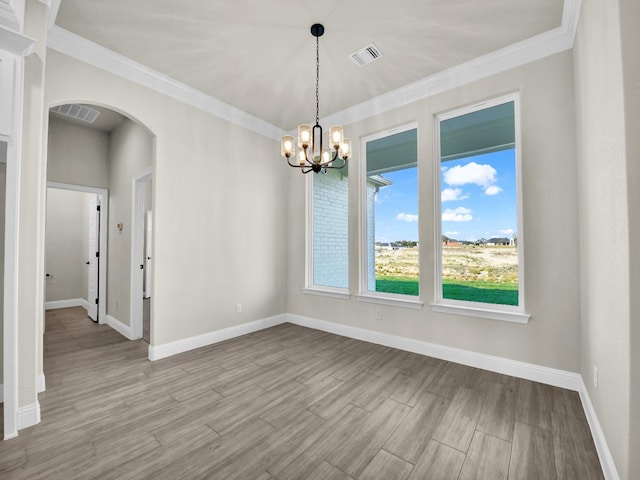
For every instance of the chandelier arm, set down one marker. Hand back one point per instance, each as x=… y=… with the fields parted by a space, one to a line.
x=291 y=164
x=335 y=156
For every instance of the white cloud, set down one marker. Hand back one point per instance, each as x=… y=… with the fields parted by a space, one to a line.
x=451 y=234
x=407 y=217
x=481 y=175
x=460 y=214
x=507 y=231
x=493 y=190
x=449 y=194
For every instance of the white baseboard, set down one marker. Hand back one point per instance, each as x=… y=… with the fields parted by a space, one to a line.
x=72 y=302
x=41 y=385
x=118 y=326
x=606 y=460
x=28 y=416
x=529 y=371
x=172 y=348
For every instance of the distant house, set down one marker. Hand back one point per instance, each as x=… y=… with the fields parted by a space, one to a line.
x=500 y=242
x=388 y=246
x=451 y=243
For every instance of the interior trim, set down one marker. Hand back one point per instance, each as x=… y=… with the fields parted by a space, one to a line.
x=604 y=454
x=118 y=326
x=28 y=416
x=72 y=302
x=157 y=352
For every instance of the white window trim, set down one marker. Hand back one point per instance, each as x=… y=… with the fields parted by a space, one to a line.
x=310 y=288
x=392 y=299
x=477 y=309
x=365 y=295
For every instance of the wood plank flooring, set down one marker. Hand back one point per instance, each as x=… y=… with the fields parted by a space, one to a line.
x=287 y=403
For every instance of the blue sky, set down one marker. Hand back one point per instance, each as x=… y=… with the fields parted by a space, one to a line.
x=478 y=200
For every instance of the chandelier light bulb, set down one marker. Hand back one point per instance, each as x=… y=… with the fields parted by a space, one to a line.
x=287 y=146
x=336 y=134
x=304 y=136
x=345 y=149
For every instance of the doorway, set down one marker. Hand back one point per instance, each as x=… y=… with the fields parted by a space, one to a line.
x=63 y=279
x=141 y=248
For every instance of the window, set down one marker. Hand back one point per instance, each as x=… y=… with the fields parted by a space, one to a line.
x=479 y=247
x=390 y=215
x=328 y=237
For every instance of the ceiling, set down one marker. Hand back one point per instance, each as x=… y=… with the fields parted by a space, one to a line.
x=260 y=56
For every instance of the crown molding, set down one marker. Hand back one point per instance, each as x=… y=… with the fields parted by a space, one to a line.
x=16 y=43
x=535 y=48
x=11 y=14
x=89 y=52
x=54 y=6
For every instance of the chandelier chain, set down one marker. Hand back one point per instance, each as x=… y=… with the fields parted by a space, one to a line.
x=317 y=80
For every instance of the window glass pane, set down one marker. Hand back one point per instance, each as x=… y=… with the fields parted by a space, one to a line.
x=392 y=214
x=479 y=215
x=331 y=229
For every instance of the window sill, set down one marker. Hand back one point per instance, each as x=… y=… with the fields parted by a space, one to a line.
x=327 y=292
x=404 y=302
x=505 y=316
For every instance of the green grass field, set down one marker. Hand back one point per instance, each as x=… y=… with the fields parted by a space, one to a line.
x=487 y=292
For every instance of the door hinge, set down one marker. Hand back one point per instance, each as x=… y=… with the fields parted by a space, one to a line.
x=98 y=207
x=97 y=254
x=96 y=301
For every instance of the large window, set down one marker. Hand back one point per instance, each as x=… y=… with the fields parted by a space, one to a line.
x=479 y=252
x=329 y=230
x=390 y=214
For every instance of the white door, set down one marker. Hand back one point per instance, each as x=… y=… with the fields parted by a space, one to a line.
x=93 y=254
x=148 y=229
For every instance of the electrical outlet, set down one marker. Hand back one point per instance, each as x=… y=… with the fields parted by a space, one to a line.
x=378 y=314
x=595 y=377
x=238 y=308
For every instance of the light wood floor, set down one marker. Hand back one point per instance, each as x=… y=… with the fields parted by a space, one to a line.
x=287 y=403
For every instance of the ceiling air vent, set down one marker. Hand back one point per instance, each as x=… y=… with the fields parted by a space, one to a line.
x=79 y=112
x=366 y=55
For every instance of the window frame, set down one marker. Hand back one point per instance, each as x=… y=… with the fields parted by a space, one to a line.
x=364 y=294
x=310 y=287
x=509 y=313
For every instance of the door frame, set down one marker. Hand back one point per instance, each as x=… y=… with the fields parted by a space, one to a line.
x=137 y=249
x=103 y=200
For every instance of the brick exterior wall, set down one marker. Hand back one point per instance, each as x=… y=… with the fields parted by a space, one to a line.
x=331 y=229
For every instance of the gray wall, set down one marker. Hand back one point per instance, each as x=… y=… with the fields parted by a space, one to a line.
x=130 y=153
x=77 y=155
x=550 y=267
x=604 y=223
x=67 y=244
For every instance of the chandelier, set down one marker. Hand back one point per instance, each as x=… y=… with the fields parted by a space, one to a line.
x=311 y=156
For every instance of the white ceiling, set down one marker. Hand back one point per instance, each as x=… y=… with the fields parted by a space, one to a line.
x=260 y=56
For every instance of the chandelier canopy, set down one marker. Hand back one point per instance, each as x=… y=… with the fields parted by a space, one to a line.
x=310 y=154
